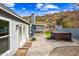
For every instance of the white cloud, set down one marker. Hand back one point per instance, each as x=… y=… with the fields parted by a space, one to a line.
x=9 y=4
x=39 y=5
x=41 y=13
x=70 y=9
x=22 y=12
x=76 y=5
x=45 y=7
x=65 y=10
x=23 y=8
x=13 y=8
x=51 y=6
x=52 y=12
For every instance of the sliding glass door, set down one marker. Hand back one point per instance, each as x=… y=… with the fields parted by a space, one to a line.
x=4 y=36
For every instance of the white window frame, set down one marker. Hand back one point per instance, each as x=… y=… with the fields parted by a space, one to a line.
x=6 y=19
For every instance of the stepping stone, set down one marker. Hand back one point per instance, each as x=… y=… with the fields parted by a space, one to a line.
x=22 y=51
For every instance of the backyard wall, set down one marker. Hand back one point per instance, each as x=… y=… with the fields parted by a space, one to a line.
x=74 y=31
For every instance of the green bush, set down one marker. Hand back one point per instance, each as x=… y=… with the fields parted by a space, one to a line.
x=47 y=35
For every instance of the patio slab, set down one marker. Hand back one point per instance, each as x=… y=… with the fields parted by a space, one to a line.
x=42 y=46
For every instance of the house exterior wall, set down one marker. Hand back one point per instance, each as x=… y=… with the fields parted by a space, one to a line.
x=15 y=40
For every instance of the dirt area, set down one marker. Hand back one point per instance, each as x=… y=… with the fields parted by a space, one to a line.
x=42 y=46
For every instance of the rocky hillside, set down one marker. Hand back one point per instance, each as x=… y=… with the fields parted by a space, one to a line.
x=27 y=18
x=68 y=19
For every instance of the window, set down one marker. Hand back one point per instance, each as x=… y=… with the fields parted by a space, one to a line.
x=4 y=36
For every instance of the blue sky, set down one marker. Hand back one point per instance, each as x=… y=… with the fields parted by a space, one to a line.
x=25 y=9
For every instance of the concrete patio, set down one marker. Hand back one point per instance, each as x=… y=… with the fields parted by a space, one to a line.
x=42 y=46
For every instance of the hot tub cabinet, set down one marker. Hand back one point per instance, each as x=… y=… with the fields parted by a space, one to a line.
x=62 y=36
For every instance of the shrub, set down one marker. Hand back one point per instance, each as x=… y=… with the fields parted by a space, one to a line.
x=47 y=35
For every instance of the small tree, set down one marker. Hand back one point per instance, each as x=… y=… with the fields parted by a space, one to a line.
x=67 y=24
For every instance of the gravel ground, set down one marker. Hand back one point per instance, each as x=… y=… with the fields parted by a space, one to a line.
x=42 y=46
